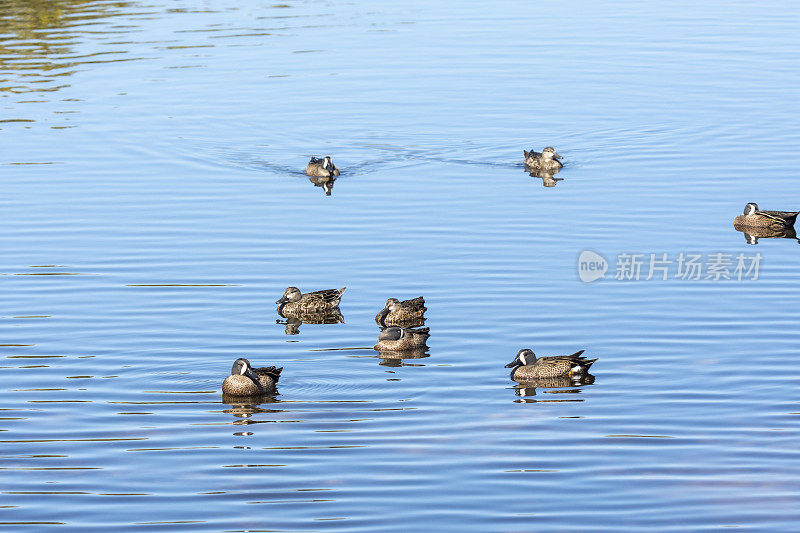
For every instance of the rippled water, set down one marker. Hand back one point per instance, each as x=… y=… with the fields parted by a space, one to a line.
x=154 y=207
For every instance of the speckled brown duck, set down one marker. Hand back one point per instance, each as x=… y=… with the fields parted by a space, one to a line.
x=295 y=303
x=395 y=338
x=406 y=313
x=546 y=160
x=248 y=381
x=322 y=167
x=526 y=366
x=755 y=218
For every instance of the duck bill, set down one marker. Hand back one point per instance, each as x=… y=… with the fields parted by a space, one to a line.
x=513 y=363
x=556 y=156
x=282 y=300
x=252 y=375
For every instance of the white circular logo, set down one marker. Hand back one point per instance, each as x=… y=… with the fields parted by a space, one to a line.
x=591 y=266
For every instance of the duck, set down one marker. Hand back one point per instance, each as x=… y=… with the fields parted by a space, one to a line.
x=294 y=302
x=546 y=161
x=322 y=167
x=248 y=381
x=526 y=366
x=397 y=313
x=755 y=218
x=395 y=338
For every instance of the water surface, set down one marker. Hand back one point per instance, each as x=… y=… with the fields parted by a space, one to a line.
x=154 y=207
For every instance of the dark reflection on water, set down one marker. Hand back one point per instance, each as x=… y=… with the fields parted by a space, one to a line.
x=245 y=408
x=397 y=358
x=325 y=183
x=751 y=235
x=548 y=179
x=563 y=385
x=294 y=321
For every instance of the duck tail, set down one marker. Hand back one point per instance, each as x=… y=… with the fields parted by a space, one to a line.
x=273 y=372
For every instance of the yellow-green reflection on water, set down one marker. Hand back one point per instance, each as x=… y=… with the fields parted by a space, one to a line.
x=39 y=40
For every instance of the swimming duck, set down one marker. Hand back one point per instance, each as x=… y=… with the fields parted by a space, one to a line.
x=547 y=160
x=527 y=366
x=293 y=302
x=395 y=338
x=323 y=167
x=755 y=218
x=397 y=313
x=248 y=381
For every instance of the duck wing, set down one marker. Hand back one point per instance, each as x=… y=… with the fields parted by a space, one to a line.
x=575 y=358
x=328 y=295
x=419 y=331
x=780 y=216
x=271 y=371
x=415 y=304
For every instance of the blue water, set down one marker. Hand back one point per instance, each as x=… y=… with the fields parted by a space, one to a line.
x=154 y=206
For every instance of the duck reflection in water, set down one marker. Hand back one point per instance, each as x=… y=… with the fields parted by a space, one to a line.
x=563 y=385
x=325 y=182
x=751 y=234
x=244 y=408
x=546 y=175
x=295 y=320
x=395 y=358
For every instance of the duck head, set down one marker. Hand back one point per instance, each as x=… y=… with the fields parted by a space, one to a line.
x=391 y=333
x=524 y=357
x=550 y=153
x=750 y=208
x=291 y=294
x=392 y=305
x=327 y=164
x=242 y=367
